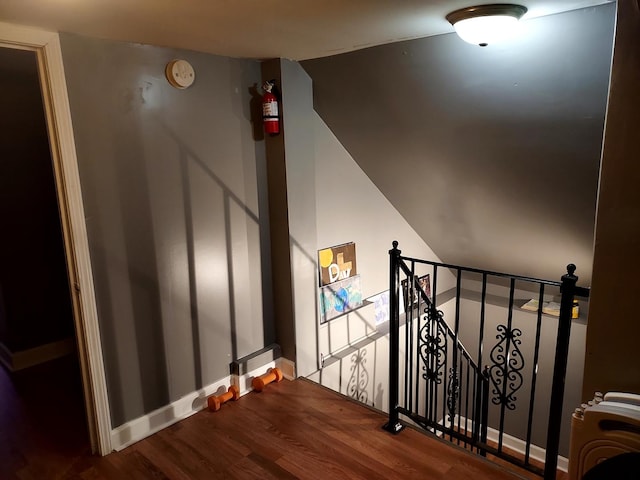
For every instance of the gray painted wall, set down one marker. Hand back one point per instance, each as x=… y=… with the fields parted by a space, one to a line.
x=491 y=154
x=344 y=205
x=349 y=207
x=175 y=201
x=331 y=201
x=479 y=148
x=297 y=104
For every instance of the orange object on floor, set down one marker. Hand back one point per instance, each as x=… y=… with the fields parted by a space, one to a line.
x=214 y=402
x=258 y=383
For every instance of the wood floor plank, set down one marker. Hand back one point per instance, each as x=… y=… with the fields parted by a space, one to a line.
x=256 y=466
x=292 y=430
x=337 y=415
x=310 y=456
x=195 y=457
x=208 y=445
x=42 y=421
x=389 y=457
x=174 y=467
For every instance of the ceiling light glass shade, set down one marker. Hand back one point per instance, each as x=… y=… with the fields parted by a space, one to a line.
x=486 y=24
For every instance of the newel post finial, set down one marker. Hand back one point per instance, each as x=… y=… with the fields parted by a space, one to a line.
x=568 y=289
x=569 y=280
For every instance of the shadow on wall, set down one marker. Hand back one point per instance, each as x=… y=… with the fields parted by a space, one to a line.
x=255 y=106
x=362 y=329
x=141 y=268
x=354 y=372
x=359 y=378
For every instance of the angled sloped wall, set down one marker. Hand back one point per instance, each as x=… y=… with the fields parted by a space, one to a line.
x=491 y=154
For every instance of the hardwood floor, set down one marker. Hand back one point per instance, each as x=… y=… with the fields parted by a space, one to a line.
x=560 y=475
x=291 y=430
x=43 y=428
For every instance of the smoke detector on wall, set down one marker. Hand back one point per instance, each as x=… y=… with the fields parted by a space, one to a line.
x=180 y=73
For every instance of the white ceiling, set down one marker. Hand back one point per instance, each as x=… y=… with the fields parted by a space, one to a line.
x=294 y=29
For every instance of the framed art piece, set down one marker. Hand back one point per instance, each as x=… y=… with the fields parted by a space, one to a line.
x=339 y=298
x=337 y=263
x=425 y=284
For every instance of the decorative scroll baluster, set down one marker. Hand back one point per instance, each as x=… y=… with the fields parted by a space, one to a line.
x=432 y=344
x=505 y=372
x=468 y=389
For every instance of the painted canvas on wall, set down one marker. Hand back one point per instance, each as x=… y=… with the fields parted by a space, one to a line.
x=339 y=298
x=337 y=263
x=424 y=282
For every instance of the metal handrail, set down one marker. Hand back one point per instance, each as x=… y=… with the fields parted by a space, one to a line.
x=508 y=362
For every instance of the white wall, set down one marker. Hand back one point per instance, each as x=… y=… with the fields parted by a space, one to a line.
x=331 y=201
x=350 y=208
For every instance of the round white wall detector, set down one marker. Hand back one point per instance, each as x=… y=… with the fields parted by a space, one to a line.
x=180 y=73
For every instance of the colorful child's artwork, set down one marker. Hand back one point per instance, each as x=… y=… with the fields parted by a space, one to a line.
x=337 y=263
x=340 y=297
x=381 y=307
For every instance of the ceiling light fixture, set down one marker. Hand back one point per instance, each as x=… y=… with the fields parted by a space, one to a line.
x=485 y=24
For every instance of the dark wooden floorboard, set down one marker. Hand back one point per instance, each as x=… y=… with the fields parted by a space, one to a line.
x=291 y=430
x=43 y=428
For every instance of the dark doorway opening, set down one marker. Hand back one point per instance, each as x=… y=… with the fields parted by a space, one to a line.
x=42 y=415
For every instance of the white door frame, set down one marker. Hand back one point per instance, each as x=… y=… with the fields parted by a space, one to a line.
x=65 y=166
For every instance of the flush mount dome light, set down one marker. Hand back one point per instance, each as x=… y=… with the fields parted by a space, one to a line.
x=486 y=24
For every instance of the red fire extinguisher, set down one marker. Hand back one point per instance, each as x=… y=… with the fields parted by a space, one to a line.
x=270 y=116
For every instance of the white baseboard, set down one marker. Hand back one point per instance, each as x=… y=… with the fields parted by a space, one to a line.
x=243 y=382
x=516 y=445
x=15 y=361
x=287 y=367
x=135 y=430
x=142 y=427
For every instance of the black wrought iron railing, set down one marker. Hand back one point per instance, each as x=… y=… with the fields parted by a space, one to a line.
x=440 y=382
